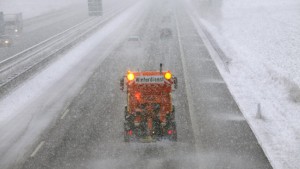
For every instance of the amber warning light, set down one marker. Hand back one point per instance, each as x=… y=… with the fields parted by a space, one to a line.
x=130 y=76
x=168 y=75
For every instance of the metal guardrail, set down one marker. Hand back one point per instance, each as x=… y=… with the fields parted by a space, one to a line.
x=203 y=32
x=31 y=58
x=226 y=60
x=19 y=57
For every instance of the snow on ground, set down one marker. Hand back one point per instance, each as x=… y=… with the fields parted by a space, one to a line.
x=28 y=111
x=262 y=37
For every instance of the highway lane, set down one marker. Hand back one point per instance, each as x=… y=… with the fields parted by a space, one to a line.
x=36 y=31
x=212 y=132
x=225 y=140
x=94 y=138
x=29 y=109
x=40 y=28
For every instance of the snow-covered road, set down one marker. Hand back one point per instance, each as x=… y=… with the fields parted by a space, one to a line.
x=70 y=115
x=26 y=112
x=34 y=8
x=262 y=38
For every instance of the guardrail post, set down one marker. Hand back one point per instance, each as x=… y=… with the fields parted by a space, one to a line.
x=258 y=113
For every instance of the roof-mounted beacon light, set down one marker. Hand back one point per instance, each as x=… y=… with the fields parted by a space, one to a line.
x=130 y=76
x=168 y=75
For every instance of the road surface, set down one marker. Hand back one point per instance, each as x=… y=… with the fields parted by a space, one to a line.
x=212 y=132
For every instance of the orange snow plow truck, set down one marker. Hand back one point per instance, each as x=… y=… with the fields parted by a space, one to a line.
x=149 y=114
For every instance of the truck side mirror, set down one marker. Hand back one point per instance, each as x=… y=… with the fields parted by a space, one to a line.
x=175 y=82
x=122 y=84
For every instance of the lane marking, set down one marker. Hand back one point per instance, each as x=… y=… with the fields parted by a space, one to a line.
x=65 y=113
x=213 y=81
x=37 y=149
x=82 y=91
x=206 y=60
x=190 y=101
x=95 y=74
x=191 y=36
x=198 y=45
x=68 y=105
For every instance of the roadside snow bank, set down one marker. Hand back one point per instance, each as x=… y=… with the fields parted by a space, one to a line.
x=30 y=109
x=262 y=38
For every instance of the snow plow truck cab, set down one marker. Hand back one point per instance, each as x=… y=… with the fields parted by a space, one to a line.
x=149 y=113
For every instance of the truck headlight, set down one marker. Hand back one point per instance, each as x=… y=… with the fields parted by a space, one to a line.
x=6 y=41
x=16 y=30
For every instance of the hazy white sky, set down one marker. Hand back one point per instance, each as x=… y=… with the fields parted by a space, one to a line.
x=31 y=8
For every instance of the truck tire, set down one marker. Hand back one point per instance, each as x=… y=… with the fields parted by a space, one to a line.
x=173 y=109
x=174 y=135
x=126 y=137
x=125 y=112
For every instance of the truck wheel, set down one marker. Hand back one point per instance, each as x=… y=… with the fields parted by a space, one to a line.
x=174 y=135
x=172 y=115
x=173 y=109
x=126 y=127
x=125 y=112
x=126 y=138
